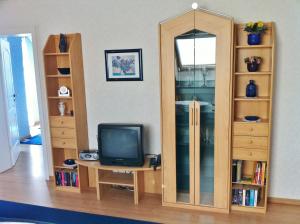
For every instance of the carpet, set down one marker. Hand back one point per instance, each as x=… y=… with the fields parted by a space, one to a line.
x=19 y=212
x=35 y=140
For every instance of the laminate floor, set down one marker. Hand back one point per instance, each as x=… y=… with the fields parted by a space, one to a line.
x=26 y=183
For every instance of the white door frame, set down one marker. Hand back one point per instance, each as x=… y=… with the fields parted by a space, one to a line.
x=40 y=85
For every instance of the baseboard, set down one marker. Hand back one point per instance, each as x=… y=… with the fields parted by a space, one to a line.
x=284 y=201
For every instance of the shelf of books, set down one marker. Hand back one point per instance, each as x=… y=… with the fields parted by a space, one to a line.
x=252 y=120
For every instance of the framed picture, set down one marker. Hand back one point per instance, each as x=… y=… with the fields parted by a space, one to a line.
x=124 y=65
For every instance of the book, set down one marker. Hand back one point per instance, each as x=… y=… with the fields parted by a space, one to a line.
x=247 y=197
x=244 y=197
x=255 y=197
x=239 y=171
x=263 y=172
x=252 y=195
x=240 y=196
x=234 y=169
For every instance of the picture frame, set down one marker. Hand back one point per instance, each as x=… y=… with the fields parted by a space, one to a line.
x=124 y=65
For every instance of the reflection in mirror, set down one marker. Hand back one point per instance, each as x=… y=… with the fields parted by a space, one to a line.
x=195 y=66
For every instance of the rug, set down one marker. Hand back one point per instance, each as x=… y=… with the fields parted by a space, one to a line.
x=35 y=140
x=19 y=212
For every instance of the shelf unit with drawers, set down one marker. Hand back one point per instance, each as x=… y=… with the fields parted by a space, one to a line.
x=251 y=141
x=69 y=132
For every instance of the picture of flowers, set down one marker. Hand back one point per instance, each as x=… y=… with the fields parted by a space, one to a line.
x=124 y=65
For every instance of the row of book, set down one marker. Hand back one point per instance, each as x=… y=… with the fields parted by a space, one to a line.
x=66 y=178
x=258 y=175
x=246 y=197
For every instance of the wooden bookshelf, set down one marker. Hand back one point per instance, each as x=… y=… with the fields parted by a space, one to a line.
x=251 y=140
x=69 y=132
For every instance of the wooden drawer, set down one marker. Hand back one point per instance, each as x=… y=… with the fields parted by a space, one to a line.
x=251 y=129
x=250 y=154
x=64 y=143
x=63 y=133
x=250 y=142
x=62 y=122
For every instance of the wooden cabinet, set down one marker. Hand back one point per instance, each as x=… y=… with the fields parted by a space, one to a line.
x=196 y=68
x=251 y=141
x=69 y=132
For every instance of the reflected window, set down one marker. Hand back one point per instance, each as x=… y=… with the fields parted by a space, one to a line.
x=204 y=43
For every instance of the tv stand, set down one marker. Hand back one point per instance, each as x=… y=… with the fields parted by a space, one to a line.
x=125 y=176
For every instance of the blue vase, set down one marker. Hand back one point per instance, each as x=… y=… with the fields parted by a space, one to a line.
x=63 y=44
x=251 y=89
x=254 y=38
x=252 y=67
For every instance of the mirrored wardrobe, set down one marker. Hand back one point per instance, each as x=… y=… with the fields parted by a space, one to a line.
x=196 y=58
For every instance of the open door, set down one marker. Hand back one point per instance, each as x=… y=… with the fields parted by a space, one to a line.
x=9 y=101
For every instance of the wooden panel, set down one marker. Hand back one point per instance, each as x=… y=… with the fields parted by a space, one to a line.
x=62 y=122
x=262 y=83
x=222 y=27
x=250 y=154
x=250 y=129
x=169 y=30
x=152 y=181
x=64 y=143
x=63 y=133
x=250 y=142
x=197 y=153
x=264 y=53
x=192 y=112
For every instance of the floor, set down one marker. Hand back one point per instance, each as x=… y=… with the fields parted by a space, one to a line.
x=26 y=183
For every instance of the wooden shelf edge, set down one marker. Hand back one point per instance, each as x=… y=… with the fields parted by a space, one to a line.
x=57 y=54
x=68 y=189
x=60 y=97
x=261 y=98
x=253 y=46
x=58 y=76
x=240 y=208
x=249 y=184
x=253 y=73
x=240 y=120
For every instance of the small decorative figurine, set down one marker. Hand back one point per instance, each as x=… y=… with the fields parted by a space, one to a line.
x=61 y=108
x=251 y=89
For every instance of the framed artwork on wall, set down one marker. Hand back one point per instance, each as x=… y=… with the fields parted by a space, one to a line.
x=124 y=65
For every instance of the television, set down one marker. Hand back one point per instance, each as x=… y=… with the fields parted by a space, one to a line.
x=121 y=144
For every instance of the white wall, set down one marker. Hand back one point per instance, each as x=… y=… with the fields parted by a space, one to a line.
x=121 y=24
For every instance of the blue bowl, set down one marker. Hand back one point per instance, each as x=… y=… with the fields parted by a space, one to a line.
x=64 y=71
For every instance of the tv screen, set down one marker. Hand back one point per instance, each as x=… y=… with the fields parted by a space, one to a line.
x=120 y=144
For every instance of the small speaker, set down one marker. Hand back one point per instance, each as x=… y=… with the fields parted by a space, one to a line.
x=91 y=155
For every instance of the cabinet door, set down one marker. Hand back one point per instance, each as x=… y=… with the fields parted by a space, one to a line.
x=212 y=153
x=177 y=114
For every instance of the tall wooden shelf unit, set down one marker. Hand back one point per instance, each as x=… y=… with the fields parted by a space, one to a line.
x=251 y=141
x=69 y=132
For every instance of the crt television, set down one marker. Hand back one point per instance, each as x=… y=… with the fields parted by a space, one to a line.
x=121 y=144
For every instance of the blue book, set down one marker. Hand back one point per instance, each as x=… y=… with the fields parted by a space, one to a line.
x=252 y=195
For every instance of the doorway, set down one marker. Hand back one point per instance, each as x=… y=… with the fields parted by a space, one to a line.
x=28 y=111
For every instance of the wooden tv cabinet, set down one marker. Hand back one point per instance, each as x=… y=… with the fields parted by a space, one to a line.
x=141 y=179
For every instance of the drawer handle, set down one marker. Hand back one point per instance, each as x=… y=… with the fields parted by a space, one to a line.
x=251 y=141
x=251 y=129
x=63 y=143
x=62 y=133
x=62 y=122
x=250 y=153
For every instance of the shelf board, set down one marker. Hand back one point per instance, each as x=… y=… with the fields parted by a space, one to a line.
x=261 y=98
x=253 y=73
x=58 y=76
x=56 y=54
x=64 y=167
x=60 y=97
x=248 y=184
x=68 y=189
x=252 y=46
x=258 y=209
x=122 y=179
x=240 y=120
